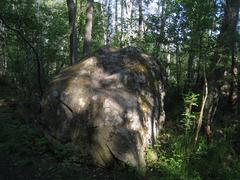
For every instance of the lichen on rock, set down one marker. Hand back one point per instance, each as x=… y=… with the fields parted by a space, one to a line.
x=112 y=102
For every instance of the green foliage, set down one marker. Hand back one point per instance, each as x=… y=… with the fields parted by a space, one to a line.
x=44 y=26
x=174 y=161
x=178 y=158
x=189 y=116
x=217 y=161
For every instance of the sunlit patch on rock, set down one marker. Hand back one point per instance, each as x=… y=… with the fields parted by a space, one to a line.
x=112 y=102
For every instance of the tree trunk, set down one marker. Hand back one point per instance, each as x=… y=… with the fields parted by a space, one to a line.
x=122 y=14
x=109 y=22
x=163 y=18
x=88 y=29
x=234 y=92
x=81 y=22
x=73 y=34
x=223 y=50
x=227 y=33
x=140 y=23
x=116 y=16
x=3 y=69
x=200 y=58
x=178 y=68
x=130 y=24
x=190 y=68
x=168 y=69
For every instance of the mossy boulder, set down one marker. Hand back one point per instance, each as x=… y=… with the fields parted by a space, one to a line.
x=110 y=102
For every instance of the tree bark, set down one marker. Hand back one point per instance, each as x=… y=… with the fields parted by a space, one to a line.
x=178 y=68
x=140 y=23
x=73 y=31
x=88 y=29
x=81 y=21
x=168 y=69
x=122 y=14
x=109 y=22
x=116 y=16
x=129 y=10
x=163 y=18
x=190 y=68
x=222 y=51
x=234 y=91
x=227 y=33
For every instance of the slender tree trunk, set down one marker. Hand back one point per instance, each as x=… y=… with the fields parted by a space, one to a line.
x=163 y=18
x=168 y=70
x=4 y=62
x=122 y=14
x=168 y=62
x=200 y=57
x=88 y=28
x=178 y=67
x=140 y=19
x=81 y=21
x=130 y=25
x=190 y=68
x=73 y=34
x=190 y=72
x=109 y=22
x=234 y=92
x=116 y=16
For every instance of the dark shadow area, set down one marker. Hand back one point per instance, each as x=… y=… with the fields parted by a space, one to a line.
x=27 y=155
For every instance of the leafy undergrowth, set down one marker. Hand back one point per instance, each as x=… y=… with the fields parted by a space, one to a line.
x=26 y=154
x=179 y=158
x=175 y=160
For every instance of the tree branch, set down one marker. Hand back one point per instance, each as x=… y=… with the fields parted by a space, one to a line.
x=33 y=49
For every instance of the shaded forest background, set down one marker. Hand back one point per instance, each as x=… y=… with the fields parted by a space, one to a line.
x=196 y=43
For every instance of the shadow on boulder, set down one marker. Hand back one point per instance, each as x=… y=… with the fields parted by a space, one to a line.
x=111 y=102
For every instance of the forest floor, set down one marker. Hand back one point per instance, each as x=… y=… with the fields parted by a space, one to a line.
x=26 y=154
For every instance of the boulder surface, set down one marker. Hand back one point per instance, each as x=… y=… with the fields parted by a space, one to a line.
x=111 y=102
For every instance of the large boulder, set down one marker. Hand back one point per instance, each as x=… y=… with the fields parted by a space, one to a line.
x=110 y=102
